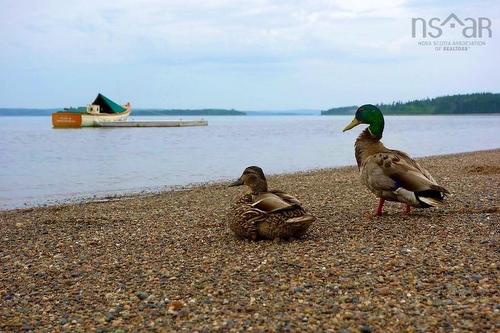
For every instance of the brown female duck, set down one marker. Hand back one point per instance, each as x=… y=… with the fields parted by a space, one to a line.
x=264 y=214
x=391 y=174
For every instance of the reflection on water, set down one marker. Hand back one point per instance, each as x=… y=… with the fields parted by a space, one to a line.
x=39 y=164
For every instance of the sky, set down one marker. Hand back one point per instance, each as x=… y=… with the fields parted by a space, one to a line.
x=246 y=55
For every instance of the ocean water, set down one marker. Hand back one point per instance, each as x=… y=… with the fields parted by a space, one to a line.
x=40 y=165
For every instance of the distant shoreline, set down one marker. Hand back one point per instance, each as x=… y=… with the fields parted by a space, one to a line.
x=44 y=113
x=475 y=103
x=459 y=104
x=496 y=113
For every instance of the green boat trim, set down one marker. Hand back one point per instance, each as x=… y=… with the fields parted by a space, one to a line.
x=106 y=106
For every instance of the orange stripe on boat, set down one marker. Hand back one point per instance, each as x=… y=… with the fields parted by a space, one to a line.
x=66 y=119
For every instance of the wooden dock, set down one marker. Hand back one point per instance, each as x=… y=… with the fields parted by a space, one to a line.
x=153 y=123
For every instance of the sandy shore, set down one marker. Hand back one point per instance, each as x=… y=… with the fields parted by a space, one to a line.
x=168 y=263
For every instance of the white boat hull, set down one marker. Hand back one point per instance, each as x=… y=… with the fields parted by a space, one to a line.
x=75 y=120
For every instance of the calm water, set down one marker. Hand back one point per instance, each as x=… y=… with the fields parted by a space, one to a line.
x=41 y=165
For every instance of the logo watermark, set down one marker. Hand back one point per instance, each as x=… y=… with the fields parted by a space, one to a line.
x=451 y=33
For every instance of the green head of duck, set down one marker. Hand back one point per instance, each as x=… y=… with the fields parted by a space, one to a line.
x=371 y=115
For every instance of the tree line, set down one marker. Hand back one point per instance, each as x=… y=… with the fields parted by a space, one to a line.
x=455 y=104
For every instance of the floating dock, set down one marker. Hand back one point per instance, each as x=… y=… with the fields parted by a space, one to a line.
x=153 y=123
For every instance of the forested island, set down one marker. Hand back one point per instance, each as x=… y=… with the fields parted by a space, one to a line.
x=455 y=104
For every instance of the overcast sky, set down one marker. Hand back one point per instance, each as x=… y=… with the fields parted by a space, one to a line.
x=249 y=55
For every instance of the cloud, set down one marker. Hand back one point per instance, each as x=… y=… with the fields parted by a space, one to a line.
x=126 y=31
x=265 y=53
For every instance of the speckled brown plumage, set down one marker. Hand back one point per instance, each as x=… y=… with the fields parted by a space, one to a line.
x=247 y=221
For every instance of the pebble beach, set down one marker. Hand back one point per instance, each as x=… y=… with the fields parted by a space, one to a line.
x=168 y=263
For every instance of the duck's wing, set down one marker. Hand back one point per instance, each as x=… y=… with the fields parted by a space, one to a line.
x=406 y=171
x=275 y=201
x=287 y=197
x=391 y=170
x=410 y=161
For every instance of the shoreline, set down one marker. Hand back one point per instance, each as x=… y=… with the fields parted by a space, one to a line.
x=494 y=113
x=167 y=262
x=154 y=191
x=427 y=114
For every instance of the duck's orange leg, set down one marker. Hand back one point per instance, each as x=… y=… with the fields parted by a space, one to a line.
x=407 y=209
x=380 y=207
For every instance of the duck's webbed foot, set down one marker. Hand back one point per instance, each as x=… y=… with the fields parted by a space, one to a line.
x=378 y=212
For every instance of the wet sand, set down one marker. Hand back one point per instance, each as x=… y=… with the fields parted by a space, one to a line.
x=168 y=262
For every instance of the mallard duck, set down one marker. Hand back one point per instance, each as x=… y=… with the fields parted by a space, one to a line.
x=264 y=214
x=391 y=174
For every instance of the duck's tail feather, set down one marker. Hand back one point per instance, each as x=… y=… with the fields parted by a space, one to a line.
x=431 y=201
x=432 y=198
x=440 y=189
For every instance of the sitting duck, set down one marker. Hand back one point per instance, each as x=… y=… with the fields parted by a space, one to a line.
x=391 y=174
x=264 y=214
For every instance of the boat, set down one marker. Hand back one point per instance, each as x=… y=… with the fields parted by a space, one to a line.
x=101 y=110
